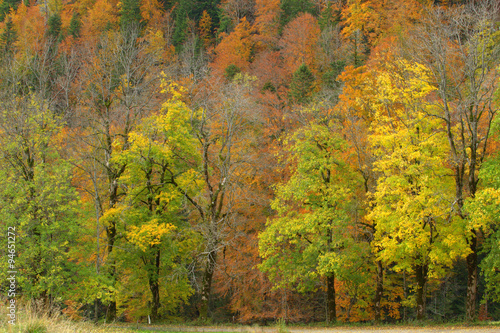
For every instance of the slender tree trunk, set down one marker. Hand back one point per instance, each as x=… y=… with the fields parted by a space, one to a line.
x=207 y=284
x=421 y=273
x=111 y=311
x=472 y=262
x=96 y=310
x=331 y=312
x=379 y=291
x=111 y=228
x=405 y=295
x=113 y=175
x=98 y=249
x=155 y=306
x=111 y=234
x=154 y=286
x=472 y=280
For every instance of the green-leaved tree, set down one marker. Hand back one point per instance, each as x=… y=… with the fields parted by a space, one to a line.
x=311 y=238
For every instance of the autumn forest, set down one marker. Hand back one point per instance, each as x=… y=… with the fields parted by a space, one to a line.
x=251 y=160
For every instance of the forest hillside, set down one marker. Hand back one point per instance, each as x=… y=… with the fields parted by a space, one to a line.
x=251 y=160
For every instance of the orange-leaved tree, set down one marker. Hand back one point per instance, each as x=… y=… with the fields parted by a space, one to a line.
x=267 y=21
x=235 y=48
x=300 y=42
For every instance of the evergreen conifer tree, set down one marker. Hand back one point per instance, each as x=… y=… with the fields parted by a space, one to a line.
x=75 y=25
x=302 y=85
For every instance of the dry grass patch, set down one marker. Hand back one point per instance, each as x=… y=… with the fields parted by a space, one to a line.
x=30 y=319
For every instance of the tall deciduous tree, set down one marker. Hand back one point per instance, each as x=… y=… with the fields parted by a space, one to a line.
x=484 y=212
x=416 y=229
x=102 y=16
x=357 y=115
x=161 y=153
x=267 y=20
x=312 y=236
x=460 y=47
x=300 y=42
x=205 y=28
x=118 y=86
x=235 y=48
x=38 y=203
x=224 y=134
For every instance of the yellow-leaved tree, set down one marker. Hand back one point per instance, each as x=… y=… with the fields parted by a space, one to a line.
x=417 y=229
x=156 y=234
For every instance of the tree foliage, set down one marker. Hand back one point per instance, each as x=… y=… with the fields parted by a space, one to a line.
x=417 y=229
x=38 y=202
x=363 y=132
x=157 y=236
x=302 y=85
x=312 y=237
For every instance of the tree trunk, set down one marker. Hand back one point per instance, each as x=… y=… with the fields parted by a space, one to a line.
x=331 y=314
x=97 y=234
x=421 y=273
x=207 y=285
x=155 y=305
x=472 y=279
x=96 y=310
x=379 y=292
x=154 y=286
x=111 y=312
x=111 y=233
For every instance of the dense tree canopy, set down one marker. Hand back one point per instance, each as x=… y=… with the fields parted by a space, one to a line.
x=243 y=160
